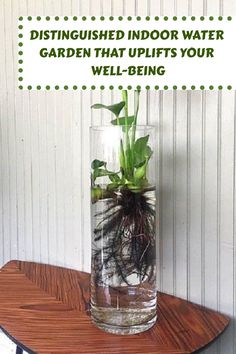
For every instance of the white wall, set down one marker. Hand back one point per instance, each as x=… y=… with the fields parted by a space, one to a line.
x=44 y=166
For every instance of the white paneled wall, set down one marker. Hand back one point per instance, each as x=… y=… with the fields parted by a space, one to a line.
x=44 y=166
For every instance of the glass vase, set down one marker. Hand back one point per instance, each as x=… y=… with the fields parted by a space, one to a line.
x=123 y=203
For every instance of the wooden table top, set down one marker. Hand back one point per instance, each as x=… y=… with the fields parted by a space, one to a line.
x=45 y=309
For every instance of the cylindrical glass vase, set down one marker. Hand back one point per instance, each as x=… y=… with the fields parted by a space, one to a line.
x=123 y=200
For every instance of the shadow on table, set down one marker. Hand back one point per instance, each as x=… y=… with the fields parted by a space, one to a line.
x=224 y=344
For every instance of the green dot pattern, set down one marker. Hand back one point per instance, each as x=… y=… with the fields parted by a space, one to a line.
x=130 y=18
x=129 y=87
x=20 y=53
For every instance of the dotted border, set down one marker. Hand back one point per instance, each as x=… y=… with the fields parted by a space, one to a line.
x=120 y=87
x=20 y=53
x=128 y=18
x=111 y=87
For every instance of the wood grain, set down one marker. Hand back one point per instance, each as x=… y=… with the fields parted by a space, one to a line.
x=46 y=309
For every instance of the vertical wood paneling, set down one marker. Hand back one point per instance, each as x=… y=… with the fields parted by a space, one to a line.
x=182 y=7
x=153 y=118
x=154 y=7
x=141 y=7
x=129 y=7
x=228 y=7
x=226 y=218
x=197 y=8
x=35 y=175
x=74 y=239
x=213 y=7
x=180 y=193
x=50 y=102
x=1 y=188
x=234 y=238
x=194 y=185
x=68 y=118
x=44 y=169
x=169 y=7
x=209 y=200
x=85 y=123
x=5 y=147
x=167 y=193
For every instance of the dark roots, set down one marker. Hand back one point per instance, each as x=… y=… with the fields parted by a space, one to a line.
x=127 y=235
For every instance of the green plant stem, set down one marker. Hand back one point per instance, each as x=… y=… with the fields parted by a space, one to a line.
x=136 y=109
x=128 y=169
x=134 y=126
x=122 y=158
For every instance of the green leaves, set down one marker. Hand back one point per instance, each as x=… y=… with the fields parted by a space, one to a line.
x=140 y=171
x=134 y=154
x=97 y=163
x=115 y=108
x=123 y=120
x=142 y=151
x=103 y=172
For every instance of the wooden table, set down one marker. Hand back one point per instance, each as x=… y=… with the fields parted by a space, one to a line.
x=45 y=309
